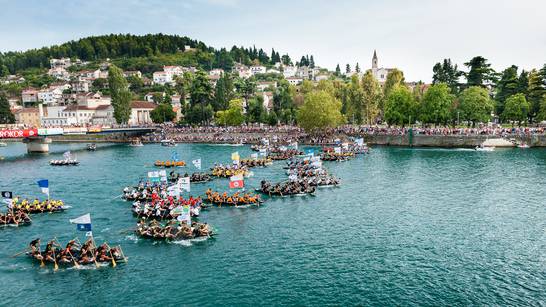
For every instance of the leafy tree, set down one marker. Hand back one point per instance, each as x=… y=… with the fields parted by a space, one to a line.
x=119 y=92
x=523 y=82
x=436 y=104
x=447 y=73
x=516 y=109
x=245 y=87
x=395 y=78
x=233 y=116
x=135 y=83
x=475 y=105
x=347 y=69
x=256 y=112
x=100 y=84
x=535 y=92
x=320 y=110
x=285 y=59
x=6 y=117
x=201 y=94
x=372 y=96
x=355 y=101
x=400 y=106
x=506 y=87
x=480 y=73
x=163 y=113
x=183 y=86
x=272 y=119
x=282 y=98
x=224 y=92
x=198 y=115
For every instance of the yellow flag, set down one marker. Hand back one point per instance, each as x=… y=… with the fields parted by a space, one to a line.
x=235 y=156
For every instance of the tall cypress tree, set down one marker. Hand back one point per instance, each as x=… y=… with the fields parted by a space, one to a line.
x=121 y=96
x=6 y=117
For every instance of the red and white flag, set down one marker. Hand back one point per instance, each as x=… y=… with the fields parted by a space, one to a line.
x=236 y=182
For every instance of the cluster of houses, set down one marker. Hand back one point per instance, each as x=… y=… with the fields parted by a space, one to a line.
x=70 y=100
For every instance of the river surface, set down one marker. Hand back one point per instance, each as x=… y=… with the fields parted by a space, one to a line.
x=407 y=227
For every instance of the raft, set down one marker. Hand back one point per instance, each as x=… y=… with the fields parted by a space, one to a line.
x=169 y=163
x=64 y=162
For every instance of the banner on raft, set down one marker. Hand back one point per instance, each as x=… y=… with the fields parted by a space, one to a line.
x=236 y=182
x=154 y=176
x=184 y=184
x=185 y=215
x=14 y=134
x=263 y=152
x=83 y=223
x=359 y=142
x=7 y=196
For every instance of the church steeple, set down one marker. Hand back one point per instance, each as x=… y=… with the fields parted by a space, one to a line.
x=374 y=60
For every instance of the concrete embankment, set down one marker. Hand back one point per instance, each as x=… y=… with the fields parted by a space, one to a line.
x=452 y=140
x=387 y=140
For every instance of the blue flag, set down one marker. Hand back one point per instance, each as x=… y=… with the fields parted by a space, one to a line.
x=83 y=223
x=174 y=156
x=44 y=184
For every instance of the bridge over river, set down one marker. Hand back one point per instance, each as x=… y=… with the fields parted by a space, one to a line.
x=38 y=140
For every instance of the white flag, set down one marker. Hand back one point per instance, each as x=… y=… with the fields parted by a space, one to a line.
x=197 y=163
x=236 y=177
x=293 y=177
x=84 y=219
x=162 y=173
x=184 y=183
x=254 y=156
x=174 y=190
x=337 y=150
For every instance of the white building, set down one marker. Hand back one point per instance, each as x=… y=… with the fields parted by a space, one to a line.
x=50 y=96
x=132 y=73
x=321 y=77
x=150 y=96
x=294 y=80
x=289 y=71
x=263 y=85
x=242 y=71
x=60 y=63
x=59 y=73
x=90 y=74
x=216 y=72
x=257 y=69
x=29 y=95
x=93 y=100
x=140 y=113
x=380 y=73
x=162 y=78
x=82 y=85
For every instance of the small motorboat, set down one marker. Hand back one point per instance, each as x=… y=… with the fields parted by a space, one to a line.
x=168 y=143
x=523 y=145
x=91 y=147
x=483 y=148
x=2 y=144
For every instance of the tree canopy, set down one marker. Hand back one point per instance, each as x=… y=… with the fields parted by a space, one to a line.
x=320 y=110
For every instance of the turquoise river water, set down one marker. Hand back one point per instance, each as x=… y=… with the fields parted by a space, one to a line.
x=408 y=226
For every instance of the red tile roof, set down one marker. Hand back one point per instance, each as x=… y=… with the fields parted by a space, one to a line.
x=143 y=105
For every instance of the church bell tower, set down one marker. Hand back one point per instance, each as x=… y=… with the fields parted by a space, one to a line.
x=374 y=61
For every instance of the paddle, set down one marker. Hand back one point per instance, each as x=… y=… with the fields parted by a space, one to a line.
x=55 y=265
x=113 y=260
x=18 y=254
x=76 y=264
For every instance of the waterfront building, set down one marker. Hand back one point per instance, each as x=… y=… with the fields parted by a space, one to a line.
x=29 y=117
x=29 y=95
x=140 y=113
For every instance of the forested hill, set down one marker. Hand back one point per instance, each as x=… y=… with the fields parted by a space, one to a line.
x=160 y=48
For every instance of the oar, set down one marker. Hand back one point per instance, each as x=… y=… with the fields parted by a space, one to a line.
x=113 y=260
x=55 y=265
x=18 y=254
x=76 y=264
x=42 y=264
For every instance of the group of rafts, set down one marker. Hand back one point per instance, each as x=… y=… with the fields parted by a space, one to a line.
x=159 y=214
x=74 y=253
x=19 y=212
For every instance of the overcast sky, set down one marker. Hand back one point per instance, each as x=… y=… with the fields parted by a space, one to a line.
x=410 y=35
